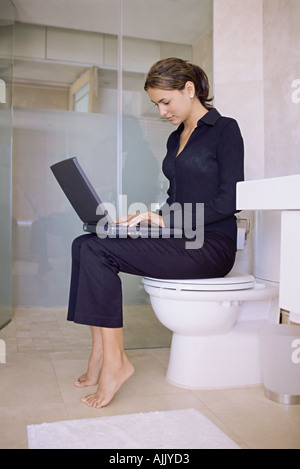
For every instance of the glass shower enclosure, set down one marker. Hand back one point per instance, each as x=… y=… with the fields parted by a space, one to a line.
x=80 y=92
x=6 y=49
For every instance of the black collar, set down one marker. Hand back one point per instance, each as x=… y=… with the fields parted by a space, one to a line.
x=210 y=118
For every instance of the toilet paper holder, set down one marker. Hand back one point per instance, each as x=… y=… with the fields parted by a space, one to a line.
x=242 y=232
x=246 y=222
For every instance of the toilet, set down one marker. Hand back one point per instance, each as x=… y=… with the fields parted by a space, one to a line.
x=216 y=322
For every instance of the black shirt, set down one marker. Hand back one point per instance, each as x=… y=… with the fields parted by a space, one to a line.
x=207 y=171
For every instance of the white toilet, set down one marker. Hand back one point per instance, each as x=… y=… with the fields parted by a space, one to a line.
x=216 y=322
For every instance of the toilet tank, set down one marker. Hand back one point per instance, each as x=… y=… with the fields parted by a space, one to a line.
x=266 y=245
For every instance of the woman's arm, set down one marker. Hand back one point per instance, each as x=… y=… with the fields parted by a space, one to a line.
x=230 y=158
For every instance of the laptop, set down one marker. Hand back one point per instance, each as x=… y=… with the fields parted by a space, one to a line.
x=85 y=201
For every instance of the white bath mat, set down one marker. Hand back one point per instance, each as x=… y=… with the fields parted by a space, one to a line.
x=179 y=429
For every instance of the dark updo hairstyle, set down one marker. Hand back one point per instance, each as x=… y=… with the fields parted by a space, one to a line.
x=173 y=73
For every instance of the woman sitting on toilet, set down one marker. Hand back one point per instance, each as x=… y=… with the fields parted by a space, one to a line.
x=204 y=161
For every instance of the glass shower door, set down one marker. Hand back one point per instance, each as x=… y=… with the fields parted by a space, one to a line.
x=117 y=136
x=160 y=33
x=49 y=126
x=6 y=36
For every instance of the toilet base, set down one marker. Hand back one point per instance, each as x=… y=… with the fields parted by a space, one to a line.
x=217 y=361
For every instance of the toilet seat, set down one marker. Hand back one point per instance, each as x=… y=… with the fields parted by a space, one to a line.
x=228 y=283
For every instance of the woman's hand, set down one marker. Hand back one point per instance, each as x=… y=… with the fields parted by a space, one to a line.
x=144 y=219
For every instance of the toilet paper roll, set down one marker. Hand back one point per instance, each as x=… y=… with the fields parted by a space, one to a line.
x=295 y=317
x=241 y=238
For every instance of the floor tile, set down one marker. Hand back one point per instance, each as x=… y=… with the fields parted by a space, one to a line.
x=46 y=354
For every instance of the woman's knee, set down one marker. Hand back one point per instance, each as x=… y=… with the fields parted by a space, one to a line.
x=78 y=242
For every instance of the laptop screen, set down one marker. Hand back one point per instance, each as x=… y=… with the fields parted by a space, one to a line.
x=77 y=189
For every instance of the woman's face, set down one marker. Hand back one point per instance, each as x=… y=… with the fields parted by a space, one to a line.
x=174 y=105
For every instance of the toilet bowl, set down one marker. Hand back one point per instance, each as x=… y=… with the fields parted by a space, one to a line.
x=215 y=324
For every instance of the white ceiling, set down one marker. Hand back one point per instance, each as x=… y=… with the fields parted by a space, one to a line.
x=180 y=21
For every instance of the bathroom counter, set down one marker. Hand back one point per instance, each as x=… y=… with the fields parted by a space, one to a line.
x=281 y=194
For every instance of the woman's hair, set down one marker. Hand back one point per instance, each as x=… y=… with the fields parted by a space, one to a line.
x=173 y=73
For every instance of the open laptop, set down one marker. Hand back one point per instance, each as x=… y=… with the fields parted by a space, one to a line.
x=85 y=202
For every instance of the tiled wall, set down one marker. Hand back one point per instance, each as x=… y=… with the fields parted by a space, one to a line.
x=256 y=60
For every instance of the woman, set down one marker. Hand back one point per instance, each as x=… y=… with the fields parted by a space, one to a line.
x=204 y=161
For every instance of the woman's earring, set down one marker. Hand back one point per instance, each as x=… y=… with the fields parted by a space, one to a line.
x=191 y=96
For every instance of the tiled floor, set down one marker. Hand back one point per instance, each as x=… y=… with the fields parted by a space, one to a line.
x=45 y=354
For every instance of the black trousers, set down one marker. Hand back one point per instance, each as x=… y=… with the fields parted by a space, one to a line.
x=96 y=290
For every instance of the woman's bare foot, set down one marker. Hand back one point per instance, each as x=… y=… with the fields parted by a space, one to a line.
x=91 y=377
x=111 y=380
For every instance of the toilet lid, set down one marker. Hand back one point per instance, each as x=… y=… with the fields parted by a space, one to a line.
x=228 y=283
